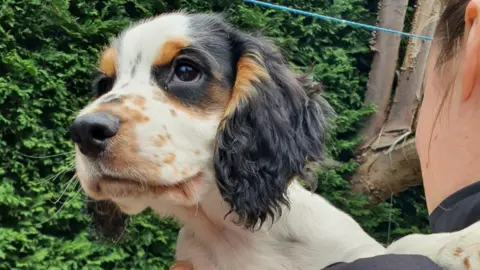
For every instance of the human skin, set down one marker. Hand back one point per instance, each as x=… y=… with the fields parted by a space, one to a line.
x=447 y=136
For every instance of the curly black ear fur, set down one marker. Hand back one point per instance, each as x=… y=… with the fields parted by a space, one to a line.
x=275 y=123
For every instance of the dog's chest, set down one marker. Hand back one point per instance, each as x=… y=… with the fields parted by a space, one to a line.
x=230 y=250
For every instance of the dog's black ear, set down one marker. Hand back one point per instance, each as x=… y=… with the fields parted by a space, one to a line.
x=274 y=123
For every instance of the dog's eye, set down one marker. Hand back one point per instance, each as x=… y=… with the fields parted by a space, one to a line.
x=102 y=84
x=186 y=72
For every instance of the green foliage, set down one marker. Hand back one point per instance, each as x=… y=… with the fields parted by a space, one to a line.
x=47 y=53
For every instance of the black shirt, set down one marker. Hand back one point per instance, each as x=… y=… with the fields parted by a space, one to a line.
x=458 y=211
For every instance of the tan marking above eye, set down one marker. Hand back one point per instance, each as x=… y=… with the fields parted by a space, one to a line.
x=108 y=62
x=169 y=50
x=173 y=112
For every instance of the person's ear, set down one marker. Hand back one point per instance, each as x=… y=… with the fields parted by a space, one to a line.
x=471 y=64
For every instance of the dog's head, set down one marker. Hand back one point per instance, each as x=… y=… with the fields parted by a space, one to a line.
x=185 y=103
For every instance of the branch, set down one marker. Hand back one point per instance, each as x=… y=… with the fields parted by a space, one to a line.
x=386 y=173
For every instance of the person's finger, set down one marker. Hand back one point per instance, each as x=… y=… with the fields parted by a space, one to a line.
x=181 y=265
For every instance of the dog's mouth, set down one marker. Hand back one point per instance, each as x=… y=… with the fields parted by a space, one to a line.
x=115 y=187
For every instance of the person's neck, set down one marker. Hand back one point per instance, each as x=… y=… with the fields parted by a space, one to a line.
x=451 y=161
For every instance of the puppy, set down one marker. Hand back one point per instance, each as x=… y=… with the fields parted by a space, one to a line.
x=201 y=122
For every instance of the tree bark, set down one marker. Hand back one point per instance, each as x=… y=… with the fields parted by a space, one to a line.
x=391 y=16
x=389 y=161
x=386 y=173
x=409 y=92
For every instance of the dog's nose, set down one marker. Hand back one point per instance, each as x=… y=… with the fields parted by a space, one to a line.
x=92 y=131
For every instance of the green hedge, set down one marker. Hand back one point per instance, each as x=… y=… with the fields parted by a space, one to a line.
x=48 y=50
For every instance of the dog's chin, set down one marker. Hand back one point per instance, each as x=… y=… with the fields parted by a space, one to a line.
x=133 y=196
x=131 y=206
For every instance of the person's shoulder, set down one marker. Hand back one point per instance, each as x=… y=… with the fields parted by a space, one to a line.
x=458 y=211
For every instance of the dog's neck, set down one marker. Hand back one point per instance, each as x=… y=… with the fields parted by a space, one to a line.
x=211 y=211
x=207 y=220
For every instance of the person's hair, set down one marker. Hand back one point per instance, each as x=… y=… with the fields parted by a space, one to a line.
x=450 y=28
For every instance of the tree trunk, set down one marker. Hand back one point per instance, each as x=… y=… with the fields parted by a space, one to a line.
x=391 y=16
x=389 y=161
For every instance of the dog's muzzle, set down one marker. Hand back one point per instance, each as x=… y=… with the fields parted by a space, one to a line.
x=92 y=131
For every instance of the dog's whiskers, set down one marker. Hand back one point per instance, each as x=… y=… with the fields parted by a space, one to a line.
x=74 y=177
x=66 y=169
x=63 y=205
x=121 y=234
x=47 y=156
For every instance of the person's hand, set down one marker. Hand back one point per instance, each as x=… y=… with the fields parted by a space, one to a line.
x=181 y=265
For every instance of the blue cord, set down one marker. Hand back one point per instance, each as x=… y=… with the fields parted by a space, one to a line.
x=328 y=18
